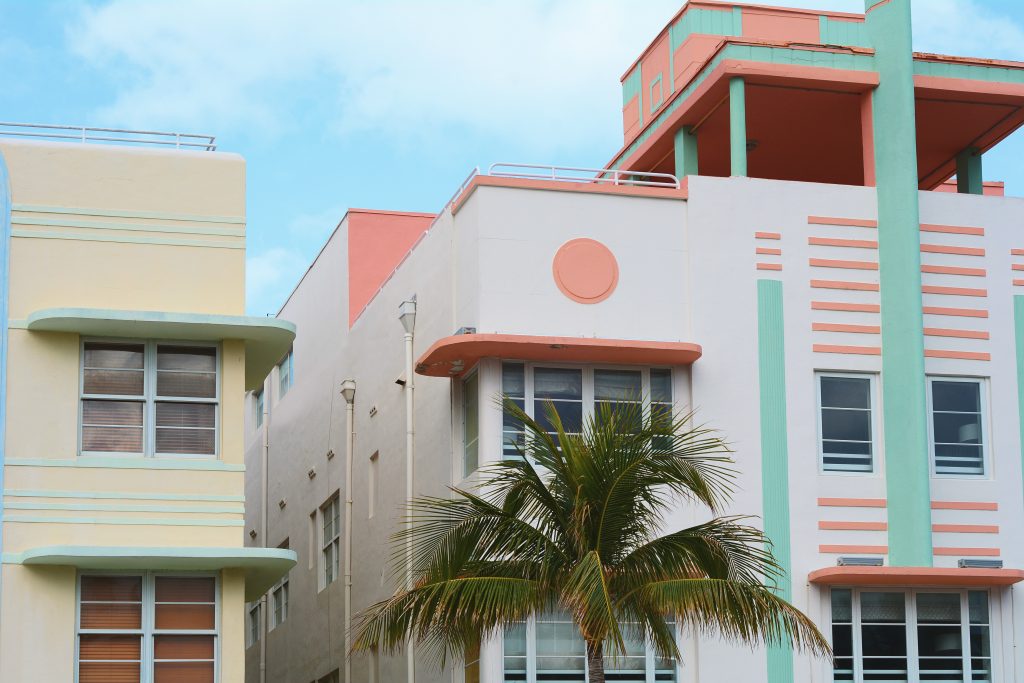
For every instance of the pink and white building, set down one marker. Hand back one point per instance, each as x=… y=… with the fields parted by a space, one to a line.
x=778 y=244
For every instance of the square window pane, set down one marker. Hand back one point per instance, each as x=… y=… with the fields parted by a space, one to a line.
x=570 y=413
x=938 y=608
x=622 y=385
x=661 y=385
x=945 y=669
x=182 y=617
x=513 y=380
x=112 y=439
x=939 y=641
x=119 y=356
x=109 y=647
x=107 y=672
x=884 y=640
x=112 y=588
x=957 y=428
x=186 y=441
x=113 y=382
x=964 y=397
x=977 y=602
x=555 y=383
x=186 y=589
x=885 y=670
x=845 y=425
x=845 y=392
x=842 y=605
x=881 y=608
x=186 y=384
x=183 y=672
x=189 y=358
x=183 y=647
x=981 y=669
x=959 y=459
x=515 y=640
x=186 y=415
x=112 y=413
x=980 y=645
x=110 y=615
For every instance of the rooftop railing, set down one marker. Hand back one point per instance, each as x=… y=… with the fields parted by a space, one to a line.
x=44 y=131
x=573 y=174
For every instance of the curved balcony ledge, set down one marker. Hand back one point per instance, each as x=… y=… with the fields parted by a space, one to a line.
x=262 y=566
x=453 y=356
x=914 y=576
x=266 y=339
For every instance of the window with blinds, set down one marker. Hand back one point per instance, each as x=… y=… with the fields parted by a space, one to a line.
x=149 y=398
x=152 y=628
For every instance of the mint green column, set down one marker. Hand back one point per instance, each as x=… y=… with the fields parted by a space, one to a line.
x=907 y=468
x=775 y=451
x=968 y=172
x=737 y=127
x=686 y=152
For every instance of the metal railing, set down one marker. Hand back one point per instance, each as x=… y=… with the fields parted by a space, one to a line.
x=119 y=135
x=572 y=174
x=465 y=183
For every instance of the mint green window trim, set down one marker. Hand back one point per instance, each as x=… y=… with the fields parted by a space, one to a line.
x=657 y=80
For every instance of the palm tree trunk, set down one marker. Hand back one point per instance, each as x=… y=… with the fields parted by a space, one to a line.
x=595 y=662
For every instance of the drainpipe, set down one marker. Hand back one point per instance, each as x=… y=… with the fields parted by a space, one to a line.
x=407 y=316
x=264 y=464
x=348 y=390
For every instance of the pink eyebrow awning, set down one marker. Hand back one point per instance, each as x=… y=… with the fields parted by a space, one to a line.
x=914 y=576
x=454 y=355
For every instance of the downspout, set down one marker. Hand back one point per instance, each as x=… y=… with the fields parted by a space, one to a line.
x=407 y=316
x=5 y=257
x=348 y=390
x=264 y=494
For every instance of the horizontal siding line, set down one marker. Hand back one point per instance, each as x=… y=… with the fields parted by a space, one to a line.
x=965 y=528
x=850 y=222
x=769 y=266
x=127 y=240
x=837 y=263
x=953 y=270
x=955 y=312
x=843 y=306
x=852 y=502
x=978 y=552
x=130 y=227
x=115 y=521
x=123 y=495
x=843 y=284
x=833 y=242
x=126 y=507
x=960 y=334
x=963 y=505
x=127 y=463
x=959 y=355
x=953 y=291
x=853 y=526
x=851 y=350
x=840 y=327
x=952 y=229
x=768 y=251
x=855 y=549
x=114 y=213
x=948 y=249
x=768 y=235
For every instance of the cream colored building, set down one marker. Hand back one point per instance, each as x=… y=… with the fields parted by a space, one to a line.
x=124 y=363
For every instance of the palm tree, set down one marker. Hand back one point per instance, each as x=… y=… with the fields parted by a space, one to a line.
x=573 y=524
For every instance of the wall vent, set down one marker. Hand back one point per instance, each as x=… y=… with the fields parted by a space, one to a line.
x=966 y=563
x=859 y=562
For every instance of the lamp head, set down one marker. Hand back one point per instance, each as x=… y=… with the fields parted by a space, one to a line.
x=407 y=314
x=348 y=390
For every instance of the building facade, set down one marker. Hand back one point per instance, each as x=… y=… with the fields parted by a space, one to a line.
x=777 y=245
x=124 y=365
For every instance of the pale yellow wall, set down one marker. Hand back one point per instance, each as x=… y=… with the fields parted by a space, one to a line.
x=39 y=606
x=42 y=390
x=232 y=644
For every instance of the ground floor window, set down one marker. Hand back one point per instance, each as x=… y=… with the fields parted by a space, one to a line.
x=146 y=628
x=913 y=636
x=550 y=649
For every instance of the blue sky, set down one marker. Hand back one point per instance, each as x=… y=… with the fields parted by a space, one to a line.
x=380 y=104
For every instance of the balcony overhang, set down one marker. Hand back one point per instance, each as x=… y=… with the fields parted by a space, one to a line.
x=266 y=339
x=262 y=566
x=453 y=356
x=914 y=576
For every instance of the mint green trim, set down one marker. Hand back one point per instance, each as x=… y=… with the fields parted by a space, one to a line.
x=122 y=495
x=159 y=215
x=130 y=227
x=724 y=22
x=737 y=127
x=685 y=153
x=657 y=80
x=968 y=172
x=126 y=507
x=754 y=53
x=973 y=72
x=262 y=566
x=775 y=452
x=266 y=339
x=128 y=463
x=38 y=234
x=847 y=33
x=122 y=521
x=899 y=255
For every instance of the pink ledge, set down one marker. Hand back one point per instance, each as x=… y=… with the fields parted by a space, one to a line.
x=914 y=576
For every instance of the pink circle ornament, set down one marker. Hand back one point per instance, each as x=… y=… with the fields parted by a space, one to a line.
x=585 y=270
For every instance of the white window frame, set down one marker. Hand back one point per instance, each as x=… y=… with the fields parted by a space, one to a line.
x=986 y=431
x=253 y=623
x=464 y=471
x=911 y=625
x=875 y=415
x=259 y=399
x=150 y=398
x=279 y=589
x=148 y=632
x=287 y=362
x=330 y=548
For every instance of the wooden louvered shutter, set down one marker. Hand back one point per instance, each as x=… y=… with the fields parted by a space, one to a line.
x=110 y=603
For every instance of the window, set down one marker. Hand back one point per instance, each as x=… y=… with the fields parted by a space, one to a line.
x=279 y=598
x=846 y=428
x=253 y=633
x=259 y=407
x=470 y=424
x=914 y=636
x=285 y=374
x=575 y=393
x=149 y=398
x=147 y=628
x=550 y=648
x=331 y=545
x=957 y=427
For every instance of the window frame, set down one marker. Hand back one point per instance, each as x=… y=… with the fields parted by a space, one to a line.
x=150 y=398
x=473 y=376
x=334 y=543
x=280 y=586
x=148 y=631
x=287 y=361
x=911 y=626
x=986 y=431
x=875 y=414
x=259 y=399
x=253 y=623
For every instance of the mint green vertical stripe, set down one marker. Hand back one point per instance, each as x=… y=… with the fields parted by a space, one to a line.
x=685 y=152
x=968 y=172
x=1018 y=322
x=775 y=451
x=907 y=469
x=737 y=127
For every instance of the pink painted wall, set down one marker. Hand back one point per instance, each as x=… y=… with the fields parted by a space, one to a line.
x=767 y=24
x=692 y=55
x=377 y=242
x=655 y=64
x=631 y=118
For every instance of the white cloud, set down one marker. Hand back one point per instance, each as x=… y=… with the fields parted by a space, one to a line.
x=271 y=272
x=966 y=28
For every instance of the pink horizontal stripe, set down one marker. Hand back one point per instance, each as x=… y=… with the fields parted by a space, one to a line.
x=960 y=334
x=852 y=502
x=843 y=284
x=1017 y=252
x=980 y=552
x=835 y=263
x=768 y=251
x=947 y=249
x=960 y=312
x=962 y=505
x=960 y=355
x=769 y=266
x=1018 y=266
x=953 y=270
x=966 y=528
x=857 y=549
x=1018 y=283
x=768 y=235
x=831 y=242
x=855 y=222
x=953 y=291
x=854 y=526
x=839 y=327
x=953 y=229
x=842 y=306
x=854 y=350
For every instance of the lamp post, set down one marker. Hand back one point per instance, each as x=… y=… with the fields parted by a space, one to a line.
x=407 y=316
x=348 y=391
